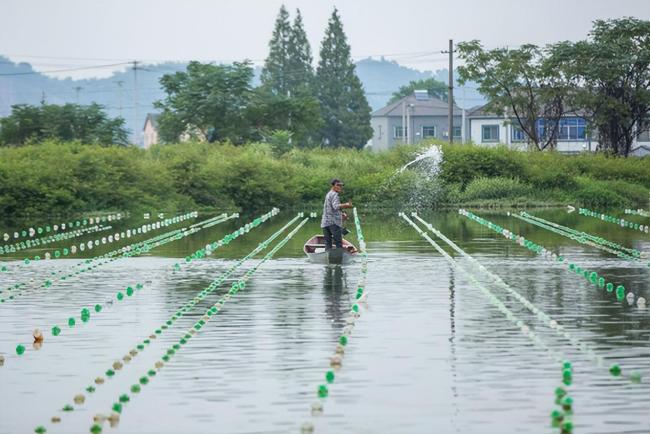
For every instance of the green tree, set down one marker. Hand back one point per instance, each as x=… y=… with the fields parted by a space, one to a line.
x=207 y=102
x=434 y=88
x=610 y=74
x=300 y=76
x=276 y=66
x=86 y=124
x=344 y=108
x=285 y=100
x=521 y=83
x=299 y=115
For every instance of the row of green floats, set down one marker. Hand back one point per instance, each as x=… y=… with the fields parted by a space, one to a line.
x=615 y=220
x=565 y=423
x=590 y=276
x=54 y=238
x=110 y=239
x=336 y=360
x=639 y=212
x=581 y=237
x=49 y=228
x=119 y=296
x=118 y=364
x=237 y=286
x=615 y=369
x=88 y=264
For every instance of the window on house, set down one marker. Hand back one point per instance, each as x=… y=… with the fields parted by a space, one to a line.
x=457 y=133
x=489 y=133
x=428 y=132
x=572 y=129
x=567 y=129
x=517 y=134
x=399 y=132
x=644 y=131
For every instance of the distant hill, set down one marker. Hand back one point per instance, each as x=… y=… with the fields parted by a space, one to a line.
x=380 y=79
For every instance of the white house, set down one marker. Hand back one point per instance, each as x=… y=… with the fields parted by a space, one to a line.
x=413 y=118
x=150 y=130
x=489 y=129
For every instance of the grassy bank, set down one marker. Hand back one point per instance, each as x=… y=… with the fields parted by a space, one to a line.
x=60 y=178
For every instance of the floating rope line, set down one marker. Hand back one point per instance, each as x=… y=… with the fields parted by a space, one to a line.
x=638 y=212
x=119 y=296
x=185 y=309
x=590 y=276
x=567 y=369
x=136 y=388
x=336 y=361
x=636 y=254
x=544 y=318
x=104 y=240
x=18 y=289
x=87 y=265
x=577 y=238
x=48 y=228
x=49 y=239
x=615 y=220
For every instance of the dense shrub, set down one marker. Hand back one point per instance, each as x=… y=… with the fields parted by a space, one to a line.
x=59 y=178
x=495 y=188
x=463 y=163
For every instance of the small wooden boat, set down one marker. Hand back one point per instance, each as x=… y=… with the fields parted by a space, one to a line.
x=315 y=250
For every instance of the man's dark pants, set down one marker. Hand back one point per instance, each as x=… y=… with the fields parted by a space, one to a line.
x=333 y=231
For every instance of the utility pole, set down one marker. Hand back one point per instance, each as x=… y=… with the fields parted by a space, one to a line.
x=135 y=102
x=77 y=90
x=404 y=121
x=43 y=100
x=450 y=94
x=119 y=85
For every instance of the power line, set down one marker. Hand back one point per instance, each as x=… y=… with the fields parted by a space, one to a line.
x=63 y=70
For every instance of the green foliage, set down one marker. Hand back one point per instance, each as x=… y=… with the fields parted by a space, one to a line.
x=207 y=102
x=300 y=115
x=300 y=78
x=610 y=78
x=522 y=82
x=435 y=88
x=464 y=163
x=87 y=124
x=280 y=141
x=56 y=177
x=344 y=108
x=275 y=74
x=496 y=188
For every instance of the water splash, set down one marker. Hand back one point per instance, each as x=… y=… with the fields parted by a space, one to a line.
x=418 y=188
x=431 y=160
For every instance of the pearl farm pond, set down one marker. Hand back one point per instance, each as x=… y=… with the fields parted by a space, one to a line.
x=467 y=321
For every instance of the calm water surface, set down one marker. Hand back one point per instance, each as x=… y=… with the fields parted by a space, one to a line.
x=429 y=353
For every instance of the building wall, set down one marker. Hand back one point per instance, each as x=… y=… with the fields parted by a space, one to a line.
x=505 y=137
x=380 y=140
x=505 y=133
x=150 y=135
x=384 y=129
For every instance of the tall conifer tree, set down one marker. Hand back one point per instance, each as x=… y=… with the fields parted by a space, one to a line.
x=300 y=72
x=274 y=74
x=344 y=108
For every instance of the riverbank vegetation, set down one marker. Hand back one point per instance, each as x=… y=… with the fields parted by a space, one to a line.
x=62 y=178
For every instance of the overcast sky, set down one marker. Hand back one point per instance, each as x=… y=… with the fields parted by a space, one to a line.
x=60 y=34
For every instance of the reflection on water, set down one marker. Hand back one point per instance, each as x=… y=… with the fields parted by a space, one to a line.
x=429 y=354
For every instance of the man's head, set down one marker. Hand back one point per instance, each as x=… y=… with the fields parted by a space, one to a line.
x=337 y=185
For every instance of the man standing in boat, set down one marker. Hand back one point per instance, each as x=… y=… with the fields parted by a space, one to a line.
x=332 y=221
